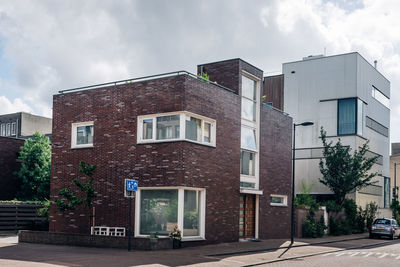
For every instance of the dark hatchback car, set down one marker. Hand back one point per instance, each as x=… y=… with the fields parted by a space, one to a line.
x=384 y=227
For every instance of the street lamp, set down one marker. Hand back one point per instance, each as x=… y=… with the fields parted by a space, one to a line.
x=306 y=123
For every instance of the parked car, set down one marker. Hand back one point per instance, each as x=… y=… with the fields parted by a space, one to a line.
x=384 y=227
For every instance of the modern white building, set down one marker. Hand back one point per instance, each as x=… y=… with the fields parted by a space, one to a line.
x=349 y=98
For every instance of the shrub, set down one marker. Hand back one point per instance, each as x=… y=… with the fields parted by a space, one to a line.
x=314 y=228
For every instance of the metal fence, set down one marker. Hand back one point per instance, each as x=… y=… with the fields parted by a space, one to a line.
x=15 y=217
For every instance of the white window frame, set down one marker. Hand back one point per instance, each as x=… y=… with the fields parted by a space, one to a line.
x=182 y=128
x=284 y=197
x=254 y=125
x=74 y=127
x=181 y=203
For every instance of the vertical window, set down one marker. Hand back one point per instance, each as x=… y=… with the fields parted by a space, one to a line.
x=13 y=128
x=191 y=215
x=247 y=166
x=249 y=89
x=193 y=129
x=347 y=116
x=148 y=129
x=360 y=117
x=8 y=129
x=3 y=129
x=158 y=211
x=380 y=97
x=168 y=127
x=386 y=192
x=207 y=132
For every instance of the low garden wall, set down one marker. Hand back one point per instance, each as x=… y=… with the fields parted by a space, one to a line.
x=301 y=215
x=43 y=237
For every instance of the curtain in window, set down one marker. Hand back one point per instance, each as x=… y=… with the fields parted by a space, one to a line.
x=347 y=116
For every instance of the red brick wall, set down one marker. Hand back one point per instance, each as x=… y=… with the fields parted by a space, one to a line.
x=9 y=150
x=275 y=172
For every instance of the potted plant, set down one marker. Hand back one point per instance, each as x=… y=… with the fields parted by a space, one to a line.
x=153 y=237
x=176 y=236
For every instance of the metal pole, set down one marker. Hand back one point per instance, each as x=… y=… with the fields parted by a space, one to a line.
x=293 y=171
x=395 y=182
x=130 y=224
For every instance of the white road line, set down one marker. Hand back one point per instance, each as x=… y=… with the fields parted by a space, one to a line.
x=398 y=257
x=363 y=252
x=370 y=253
x=328 y=254
x=340 y=254
x=355 y=253
x=383 y=255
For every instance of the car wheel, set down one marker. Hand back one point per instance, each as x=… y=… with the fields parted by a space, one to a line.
x=392 y=237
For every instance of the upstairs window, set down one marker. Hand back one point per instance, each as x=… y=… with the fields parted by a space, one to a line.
x=176 y=126
x=3 y=129
x=380 y=97
x=13 y=128
x=249 y=93
x=347 y=116
x=82 y=134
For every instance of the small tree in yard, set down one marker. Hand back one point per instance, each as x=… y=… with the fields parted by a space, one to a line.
x=35 y=156
x=342 y=172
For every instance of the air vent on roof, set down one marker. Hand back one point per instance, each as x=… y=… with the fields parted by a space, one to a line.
x=312 y=57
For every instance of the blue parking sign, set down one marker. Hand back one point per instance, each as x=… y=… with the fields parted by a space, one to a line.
x=131 y=185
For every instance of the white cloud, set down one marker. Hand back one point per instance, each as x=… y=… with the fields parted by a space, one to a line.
x=17 y=105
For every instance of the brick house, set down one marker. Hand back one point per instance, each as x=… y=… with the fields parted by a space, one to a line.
x=209 y=156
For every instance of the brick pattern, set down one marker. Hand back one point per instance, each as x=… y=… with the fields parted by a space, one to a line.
x=114 y=111
x=275 y=172
x=9 y=150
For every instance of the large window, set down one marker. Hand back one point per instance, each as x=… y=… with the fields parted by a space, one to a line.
x=176 y=126
x=82 y=134
x=3 y=129
x=380 y=97
x=347 y=116
x=160 y=210
x=377 y=127
x=248 y=136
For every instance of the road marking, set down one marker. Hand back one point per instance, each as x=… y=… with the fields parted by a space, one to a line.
x=370 y=253
x=328 y=254
x=340 y=254
x=355 y=253
x=383 y=255
x=398 y=257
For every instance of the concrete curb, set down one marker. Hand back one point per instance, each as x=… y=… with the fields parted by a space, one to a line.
x=315 y=254
x=275 y=248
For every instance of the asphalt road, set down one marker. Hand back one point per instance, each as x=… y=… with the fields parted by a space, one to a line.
x=387 y=255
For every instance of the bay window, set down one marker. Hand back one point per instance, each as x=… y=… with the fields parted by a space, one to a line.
x=161 y=209
x=176 y=126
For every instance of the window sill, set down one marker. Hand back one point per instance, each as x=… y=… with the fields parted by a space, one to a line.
x=278 y=205
x=82 y=146
x=192 y=238
x=174 y=140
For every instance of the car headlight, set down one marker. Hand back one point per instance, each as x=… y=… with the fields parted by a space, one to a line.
x=373 y=227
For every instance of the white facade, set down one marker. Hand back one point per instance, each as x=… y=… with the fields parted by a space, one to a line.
x=314 y=87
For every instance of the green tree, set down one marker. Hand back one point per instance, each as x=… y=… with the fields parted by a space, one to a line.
x=343 y=172
x=34 y=175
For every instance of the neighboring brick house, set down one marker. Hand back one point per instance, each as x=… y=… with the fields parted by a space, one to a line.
x=24 y=125
x=209 y=158
x=9 y=165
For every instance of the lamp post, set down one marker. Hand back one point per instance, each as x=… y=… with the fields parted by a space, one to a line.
x=395 y=182
x=306 y=123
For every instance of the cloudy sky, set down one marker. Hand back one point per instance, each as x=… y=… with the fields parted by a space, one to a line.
x=49 y=45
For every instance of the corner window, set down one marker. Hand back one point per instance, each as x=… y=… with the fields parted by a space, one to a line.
x=347 y=116
x=82 y=134
x=278 y=200
x=380 y=97
x=249 y=97
x=248 y=138
x=176 y=126
x=160 y=210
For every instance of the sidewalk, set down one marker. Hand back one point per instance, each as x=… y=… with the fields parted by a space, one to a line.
x=227 y=254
